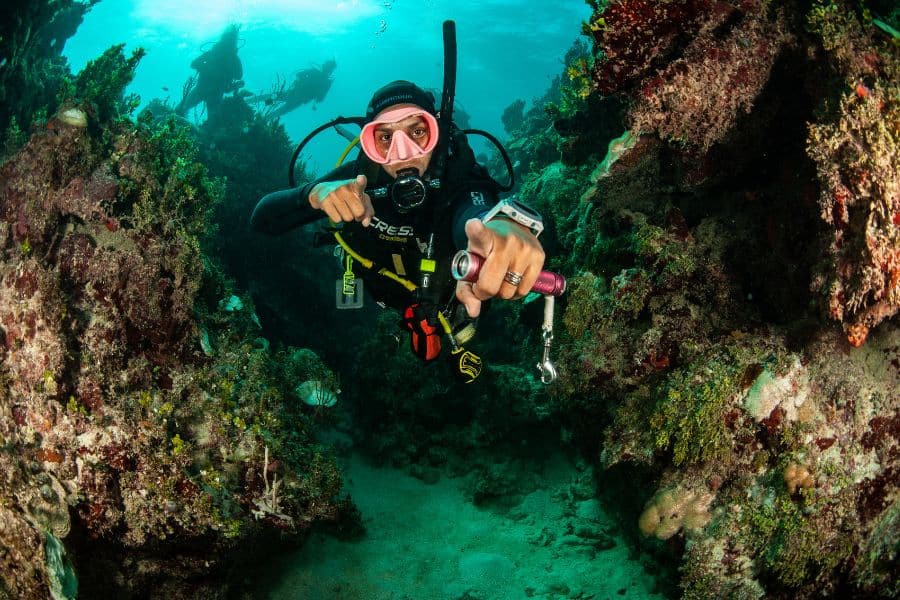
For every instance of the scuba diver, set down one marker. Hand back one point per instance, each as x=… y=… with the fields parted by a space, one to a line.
x=412 y=198
x=219 y=71
x=310 y=85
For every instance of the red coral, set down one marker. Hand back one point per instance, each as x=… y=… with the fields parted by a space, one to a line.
x=90 y=395
x=118 y=456
x=49 y=455
x=635 y=33
x=881 y=429
x=76 y=253
x=719 y=76
x=875 y=492
x=825 y=443
x=25 y=282
x=773 y=422
x=19 y=413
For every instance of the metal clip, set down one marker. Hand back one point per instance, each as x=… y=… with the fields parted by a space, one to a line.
x=546 y=366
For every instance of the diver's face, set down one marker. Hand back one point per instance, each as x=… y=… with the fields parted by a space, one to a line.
x=416 y=129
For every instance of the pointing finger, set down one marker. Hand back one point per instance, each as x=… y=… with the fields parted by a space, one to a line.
x=361 y=182
x=344 y=208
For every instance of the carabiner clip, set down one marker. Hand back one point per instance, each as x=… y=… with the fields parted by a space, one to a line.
x=546 y=366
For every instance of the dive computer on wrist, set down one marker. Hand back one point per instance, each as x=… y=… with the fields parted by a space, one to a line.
x=518 y=212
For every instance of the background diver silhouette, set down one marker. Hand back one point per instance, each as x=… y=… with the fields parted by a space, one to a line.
x=309 y=85
x=219 y=71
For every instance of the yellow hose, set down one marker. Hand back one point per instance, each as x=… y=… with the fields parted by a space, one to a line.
x=409 y=285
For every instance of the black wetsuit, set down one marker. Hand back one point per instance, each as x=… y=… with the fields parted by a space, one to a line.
x=393 y=240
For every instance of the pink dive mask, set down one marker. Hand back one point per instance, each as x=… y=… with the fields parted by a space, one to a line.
x=402 y=146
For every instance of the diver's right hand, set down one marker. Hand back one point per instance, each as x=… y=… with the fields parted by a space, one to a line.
x=344 y=200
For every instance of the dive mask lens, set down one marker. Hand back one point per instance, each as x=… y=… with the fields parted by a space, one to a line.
x=385 y=142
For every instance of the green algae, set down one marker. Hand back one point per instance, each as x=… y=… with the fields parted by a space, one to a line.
x=693 y=402
x=63 y=583
x=689 y=415
x=102 y=82
x=789 y=540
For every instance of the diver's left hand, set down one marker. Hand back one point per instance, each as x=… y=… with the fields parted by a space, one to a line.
x=506 y=247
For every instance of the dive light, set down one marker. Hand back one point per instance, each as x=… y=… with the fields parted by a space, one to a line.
x=466 y=266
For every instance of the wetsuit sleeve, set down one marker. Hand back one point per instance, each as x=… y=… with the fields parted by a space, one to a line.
x=284 y=210
x=471 y=203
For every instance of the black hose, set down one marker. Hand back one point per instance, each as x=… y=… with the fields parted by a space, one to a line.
x=509 y=167
x=338 y=121
x=449 y=91
x=445 y=121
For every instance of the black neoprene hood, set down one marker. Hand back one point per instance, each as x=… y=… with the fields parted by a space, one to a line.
x=399 y=92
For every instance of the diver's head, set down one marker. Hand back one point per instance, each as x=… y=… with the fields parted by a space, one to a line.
x=399 y=92
x=229 y=37
x=401 y=130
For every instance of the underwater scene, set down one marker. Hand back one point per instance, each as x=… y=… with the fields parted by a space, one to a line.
x=435 y=300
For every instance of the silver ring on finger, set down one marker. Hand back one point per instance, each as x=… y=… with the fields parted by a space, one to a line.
x=513 y=278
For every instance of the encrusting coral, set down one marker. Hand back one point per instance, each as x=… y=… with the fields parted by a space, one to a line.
x=697 y=98
x=119 y=430
x=693 y=353
x=855 y=144
x=796 y=477
x=673 y=509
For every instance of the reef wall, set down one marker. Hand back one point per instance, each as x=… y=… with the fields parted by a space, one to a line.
x=731 y=347
x=149 y=436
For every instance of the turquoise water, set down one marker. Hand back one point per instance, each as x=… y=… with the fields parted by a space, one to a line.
x=508 y=49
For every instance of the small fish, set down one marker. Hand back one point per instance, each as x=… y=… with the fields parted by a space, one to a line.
x=165 y=88
x=315 y=393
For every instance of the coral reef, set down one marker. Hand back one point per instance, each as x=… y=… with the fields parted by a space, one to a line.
x=513 y=116
x=673 y=509
x=697 y=98
x=702 y=256
x=631 y=35
x=855 y=144
x=719 y=180
x=137 y=411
